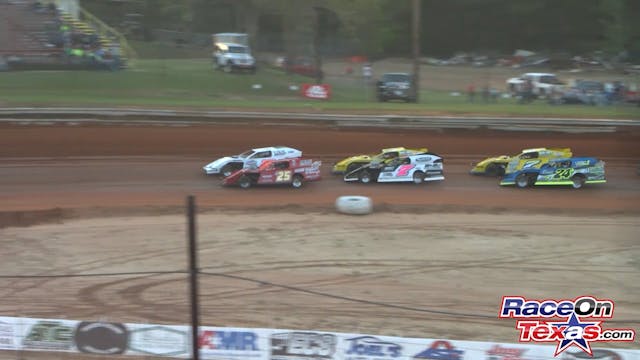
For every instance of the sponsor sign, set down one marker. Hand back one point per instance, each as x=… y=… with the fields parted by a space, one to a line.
x=498 y=352
x=103 y=338
x=440 y=350
x=7 y=336
x=580 y=321
x=316 y=91
x=371 y=348
x=228 y=343
x=300 y=345
x=49 y=335
x=160 y=340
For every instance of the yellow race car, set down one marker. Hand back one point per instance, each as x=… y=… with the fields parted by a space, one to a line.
x=528 y=158
x=351 y=163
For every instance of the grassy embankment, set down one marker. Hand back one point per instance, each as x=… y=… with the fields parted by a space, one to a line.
x=193 y=84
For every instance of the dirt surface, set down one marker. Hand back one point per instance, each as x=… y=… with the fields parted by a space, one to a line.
x=109 y=198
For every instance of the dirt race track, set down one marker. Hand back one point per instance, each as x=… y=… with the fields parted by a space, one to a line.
x=102 y=199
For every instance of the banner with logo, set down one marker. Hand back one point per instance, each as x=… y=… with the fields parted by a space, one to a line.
x=112 y=338
x=316 y=91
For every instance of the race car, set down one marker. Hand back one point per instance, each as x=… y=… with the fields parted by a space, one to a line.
x=251 y=158
x=414 y=168
x=499 y=165
x=286 y=171
x=576 y=172
x=351 y=163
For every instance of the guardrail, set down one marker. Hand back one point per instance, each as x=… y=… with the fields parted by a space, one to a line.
x=165 y=116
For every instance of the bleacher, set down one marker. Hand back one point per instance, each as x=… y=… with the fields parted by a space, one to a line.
x=38 y=35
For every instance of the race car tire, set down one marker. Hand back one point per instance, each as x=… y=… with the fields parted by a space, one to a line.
x=418 y=177
x=244 y=182
x=494 y=169
x=226 y=170
x=577 y=181
x=354 y=205
x=364 y=177
x=352 y=167
x=297 y=181
x=522 y=181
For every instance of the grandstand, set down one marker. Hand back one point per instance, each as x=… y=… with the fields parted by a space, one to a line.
x=36 y=34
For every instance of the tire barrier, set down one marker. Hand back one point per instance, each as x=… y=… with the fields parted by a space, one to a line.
x=354 y=205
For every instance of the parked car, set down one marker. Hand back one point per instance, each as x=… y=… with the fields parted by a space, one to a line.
x=587 y=92
x=277 y=172
x=499 y=165
x=396 y=86
x=301 y=65
x=250 y=158
x=353 y=162
x=231 y=52
x=576 y=172
x=415 y=168
x=542 y=84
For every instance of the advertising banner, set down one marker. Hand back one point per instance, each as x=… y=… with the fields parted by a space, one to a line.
x=216 y=343
x=316 y=91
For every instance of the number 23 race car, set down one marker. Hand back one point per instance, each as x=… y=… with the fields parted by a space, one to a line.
x=287 y=171
x=572 y=171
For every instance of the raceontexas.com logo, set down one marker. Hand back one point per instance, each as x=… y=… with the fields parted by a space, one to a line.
x=579 y=321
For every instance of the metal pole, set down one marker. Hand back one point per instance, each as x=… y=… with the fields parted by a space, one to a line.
x=193 y=273
x=416 y=46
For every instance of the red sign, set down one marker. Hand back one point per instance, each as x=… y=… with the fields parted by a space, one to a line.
x=316 y=91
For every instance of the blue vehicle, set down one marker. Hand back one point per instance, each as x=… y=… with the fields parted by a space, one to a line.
x=575 y=171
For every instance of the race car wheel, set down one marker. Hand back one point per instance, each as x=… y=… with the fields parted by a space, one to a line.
x=418 y=177
x=227 y=170
x=244 y=182
x=352 y=167
x=228 y=68
x=494 y=169
x=297 y=181
x=522 y=181
x=354 y=205
x=577 y=181
x=365 y=177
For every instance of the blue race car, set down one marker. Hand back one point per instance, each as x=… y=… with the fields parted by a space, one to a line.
x=575 y=171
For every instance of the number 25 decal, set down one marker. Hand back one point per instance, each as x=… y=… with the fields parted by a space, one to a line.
x=282 y=176
x=563 y=173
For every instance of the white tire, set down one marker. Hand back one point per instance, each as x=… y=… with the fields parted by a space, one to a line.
x=354 y=205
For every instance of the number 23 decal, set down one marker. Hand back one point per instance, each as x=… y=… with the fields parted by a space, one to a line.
x=282 y=176
x=563 y=173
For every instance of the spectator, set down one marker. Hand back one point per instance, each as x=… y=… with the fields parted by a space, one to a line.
x=471 y=92
x=367 y=73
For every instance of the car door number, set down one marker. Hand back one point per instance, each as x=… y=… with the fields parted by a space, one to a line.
x=283 y=176
x=563 y=173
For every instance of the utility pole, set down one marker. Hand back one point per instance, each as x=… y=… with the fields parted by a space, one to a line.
x=193 y=275
x=416 y=46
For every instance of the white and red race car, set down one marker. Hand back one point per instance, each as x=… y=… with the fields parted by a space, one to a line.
x=415 y=168
x=272 y=172
x=251 y=158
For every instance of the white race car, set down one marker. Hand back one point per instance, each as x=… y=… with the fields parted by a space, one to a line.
x=415 y=168
x=251 y=158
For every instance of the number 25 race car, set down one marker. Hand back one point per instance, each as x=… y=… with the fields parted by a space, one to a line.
x=572 y=171
x=414 y=168
x=287 y=171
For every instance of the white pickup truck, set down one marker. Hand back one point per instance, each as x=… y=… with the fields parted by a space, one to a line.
x=231 y=52
x=542 y=84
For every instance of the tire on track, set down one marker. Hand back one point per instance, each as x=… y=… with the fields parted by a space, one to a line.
x=354 y=205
